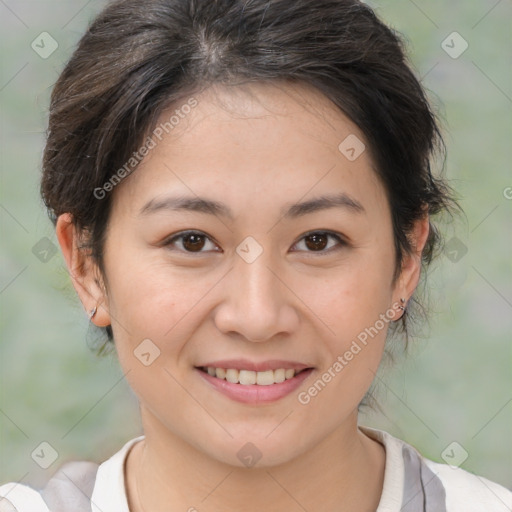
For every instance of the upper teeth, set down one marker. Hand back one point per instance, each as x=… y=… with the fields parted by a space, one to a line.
x=246 y=377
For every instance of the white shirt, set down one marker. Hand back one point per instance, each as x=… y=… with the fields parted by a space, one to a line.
x=412 y=483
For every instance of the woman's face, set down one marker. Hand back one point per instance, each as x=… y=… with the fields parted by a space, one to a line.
x=292 y=271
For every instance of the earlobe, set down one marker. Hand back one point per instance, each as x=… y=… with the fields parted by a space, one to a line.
x=411 y=262
x=83 y=271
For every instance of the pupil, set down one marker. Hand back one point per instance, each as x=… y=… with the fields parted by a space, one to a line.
x=193 y=242
x=319 y=241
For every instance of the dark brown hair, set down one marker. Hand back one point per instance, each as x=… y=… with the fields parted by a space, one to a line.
x=138 y=58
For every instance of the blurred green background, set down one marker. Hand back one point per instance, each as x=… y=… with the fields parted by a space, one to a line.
x=455 y=383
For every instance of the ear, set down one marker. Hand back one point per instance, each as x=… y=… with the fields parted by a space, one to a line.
x=411 y=264
x=84 y=272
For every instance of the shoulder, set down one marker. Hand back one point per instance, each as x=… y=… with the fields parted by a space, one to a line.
x=468 y=492
x=420 y=484
x=15 y=497
x=76 y=486
x=69 y=488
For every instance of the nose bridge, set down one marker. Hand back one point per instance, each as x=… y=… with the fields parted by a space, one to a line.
x=255 y=303
x=257 y=284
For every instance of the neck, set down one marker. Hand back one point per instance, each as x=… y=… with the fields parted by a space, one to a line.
x=344 y=472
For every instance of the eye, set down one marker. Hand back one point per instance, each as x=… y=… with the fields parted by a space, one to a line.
x=190 y=241
x=196 y=241
x=317 y=241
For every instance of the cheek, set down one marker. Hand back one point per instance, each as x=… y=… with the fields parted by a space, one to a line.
x=150 y=299
x=354 y=306
x=355 y=303
x=353 y=296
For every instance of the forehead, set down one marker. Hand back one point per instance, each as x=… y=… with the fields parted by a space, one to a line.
x=267 y=142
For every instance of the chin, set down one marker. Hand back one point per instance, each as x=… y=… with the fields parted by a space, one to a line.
x=257 y=451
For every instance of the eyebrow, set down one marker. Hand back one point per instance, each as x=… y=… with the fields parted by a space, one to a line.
x=289 y=211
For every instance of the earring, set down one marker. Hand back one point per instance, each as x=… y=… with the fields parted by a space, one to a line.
x=92 y=312
x=401 y=306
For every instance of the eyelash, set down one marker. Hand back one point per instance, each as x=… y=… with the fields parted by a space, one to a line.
x=330 y=234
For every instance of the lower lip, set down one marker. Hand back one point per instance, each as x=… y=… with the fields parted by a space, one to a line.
x=253 y=393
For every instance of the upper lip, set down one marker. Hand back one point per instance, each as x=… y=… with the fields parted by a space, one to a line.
x=245 y=364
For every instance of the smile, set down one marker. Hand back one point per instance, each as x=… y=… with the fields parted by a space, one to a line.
x=248 y=377
x=252 y=383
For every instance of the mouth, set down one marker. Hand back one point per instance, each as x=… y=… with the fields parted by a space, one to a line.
x=251 y=377
x=254 y=383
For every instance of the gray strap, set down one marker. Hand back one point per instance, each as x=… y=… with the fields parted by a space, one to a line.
x=423 y=490
x=70 y=489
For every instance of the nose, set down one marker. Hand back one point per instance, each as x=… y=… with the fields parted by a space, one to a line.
x=256 y=302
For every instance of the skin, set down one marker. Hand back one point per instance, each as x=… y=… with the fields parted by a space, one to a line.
x=256 y=148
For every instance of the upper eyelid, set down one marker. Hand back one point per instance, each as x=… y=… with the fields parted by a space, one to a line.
x=340 y=238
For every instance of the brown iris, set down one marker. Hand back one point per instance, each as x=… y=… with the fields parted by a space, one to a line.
x=193 y=242
x=317 y=241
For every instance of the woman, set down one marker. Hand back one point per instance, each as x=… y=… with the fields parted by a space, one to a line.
x=243 y=195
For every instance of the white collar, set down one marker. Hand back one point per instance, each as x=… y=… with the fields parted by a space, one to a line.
x=109 y=494
x=393 y=486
